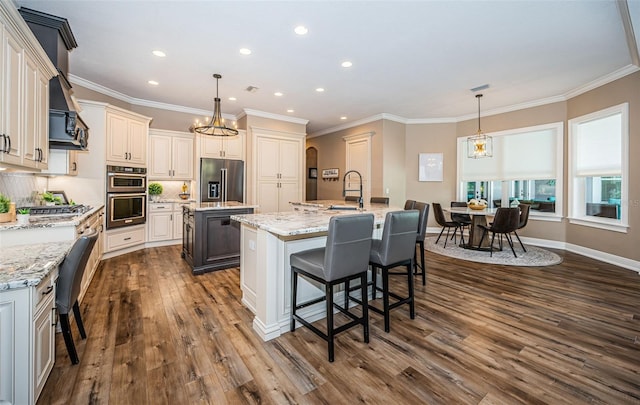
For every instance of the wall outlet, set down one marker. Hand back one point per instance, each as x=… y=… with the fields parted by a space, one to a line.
x=387 y=191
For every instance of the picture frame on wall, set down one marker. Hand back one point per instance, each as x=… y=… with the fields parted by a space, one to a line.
x=430 y=167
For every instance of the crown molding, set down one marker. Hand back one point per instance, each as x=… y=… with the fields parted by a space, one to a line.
x=263 y=114
x=601 y=81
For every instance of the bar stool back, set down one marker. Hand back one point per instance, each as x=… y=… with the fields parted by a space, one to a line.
x=345 y=257
x=423 y=209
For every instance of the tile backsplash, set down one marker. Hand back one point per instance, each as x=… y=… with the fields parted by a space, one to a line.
x=22 y=188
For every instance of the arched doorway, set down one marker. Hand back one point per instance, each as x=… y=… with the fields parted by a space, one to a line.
x=312 y=174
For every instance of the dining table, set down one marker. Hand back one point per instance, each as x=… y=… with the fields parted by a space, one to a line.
x=478 y=220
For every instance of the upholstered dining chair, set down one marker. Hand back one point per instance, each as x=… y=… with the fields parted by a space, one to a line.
x=344 y=257
x=442 y=221
x=463 y=219
x=396 y=248
x=71 y=271
x=409 y=204
x=524 y=219
x=379 y=200
x=505 y=221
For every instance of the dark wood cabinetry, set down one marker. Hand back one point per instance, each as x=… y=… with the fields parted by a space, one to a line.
x=210 y=239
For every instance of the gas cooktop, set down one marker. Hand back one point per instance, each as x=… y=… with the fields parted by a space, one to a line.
x=59 y=209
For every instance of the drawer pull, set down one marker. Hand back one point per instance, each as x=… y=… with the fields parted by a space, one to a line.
x=129 y=238
x=48 y=290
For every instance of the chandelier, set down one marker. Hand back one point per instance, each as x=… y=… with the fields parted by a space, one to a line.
x=216 y=126
x=479 y=145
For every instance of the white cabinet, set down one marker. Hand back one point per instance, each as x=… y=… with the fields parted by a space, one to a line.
x=223 y=147
x=63 y=161
x=279 y=165
x=164 y=223
x=126 y=138
x=25 y=71
x=95 y=221
x=170 y=155
x=27 y=336
x=130 y=238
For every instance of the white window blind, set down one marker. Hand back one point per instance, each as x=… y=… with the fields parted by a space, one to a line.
x=598 y=147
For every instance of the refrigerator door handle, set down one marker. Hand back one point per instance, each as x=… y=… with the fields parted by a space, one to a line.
x=223 y=179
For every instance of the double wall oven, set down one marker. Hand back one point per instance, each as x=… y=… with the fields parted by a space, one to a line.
x=126 y=196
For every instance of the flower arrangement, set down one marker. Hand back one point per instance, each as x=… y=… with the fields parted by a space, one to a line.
x=24 y=211
x=155 y=189
x=477 y=204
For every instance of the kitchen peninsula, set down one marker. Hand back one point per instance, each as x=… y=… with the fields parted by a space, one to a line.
x=210 y=240
x=266 y=242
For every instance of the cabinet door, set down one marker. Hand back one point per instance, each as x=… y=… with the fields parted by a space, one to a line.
x=234 y=147
x=289 y=160
x=72 y=170
x=268 y=159
x=288 y=191
x=44 y=345
x=42 y=118
x=30 y=133
x=177 y=224
x=137 y=142
x=268 y=196
x=182 y=158
x=11 y=111
x=14 y=350
x=160 y=156
x=117 y=139
x=160 y=226
x=211 y=146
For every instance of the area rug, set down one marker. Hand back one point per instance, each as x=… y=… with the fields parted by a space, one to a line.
x=534 y=256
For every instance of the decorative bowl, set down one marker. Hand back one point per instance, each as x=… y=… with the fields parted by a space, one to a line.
x=476 y=207
x=184 y=196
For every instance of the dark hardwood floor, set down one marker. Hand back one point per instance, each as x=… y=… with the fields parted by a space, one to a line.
x=483 y=334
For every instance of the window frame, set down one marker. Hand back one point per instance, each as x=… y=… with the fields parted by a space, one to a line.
x=558 y=127
x=577 y=184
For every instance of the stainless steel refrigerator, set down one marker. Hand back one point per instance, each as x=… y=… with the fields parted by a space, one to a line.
x=221 y=180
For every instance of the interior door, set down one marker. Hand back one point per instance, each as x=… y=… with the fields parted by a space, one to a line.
x=359 y=158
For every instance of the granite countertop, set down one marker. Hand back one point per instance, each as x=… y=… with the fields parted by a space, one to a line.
x=26 y=265
x=51 y=221
x=309 y=217
x=172 y=200
x=205 y=206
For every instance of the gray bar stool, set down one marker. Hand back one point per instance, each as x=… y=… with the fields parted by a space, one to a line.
x=68 y=288
x=345 y=257
x=396 y=248
x=423 y=209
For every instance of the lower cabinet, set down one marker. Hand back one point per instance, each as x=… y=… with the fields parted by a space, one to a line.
x=130 y=238
x=211 y=240
x=164 y=223
x=27 y=337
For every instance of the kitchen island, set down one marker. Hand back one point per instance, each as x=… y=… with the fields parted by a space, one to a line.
x=266 y=242
x=210 y=240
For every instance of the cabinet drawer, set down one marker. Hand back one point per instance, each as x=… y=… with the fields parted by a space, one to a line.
x=160 y=207
x=123 y=239
x=43 y=290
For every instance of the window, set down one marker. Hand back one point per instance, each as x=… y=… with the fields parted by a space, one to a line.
x=526 y=166
x=598 y=168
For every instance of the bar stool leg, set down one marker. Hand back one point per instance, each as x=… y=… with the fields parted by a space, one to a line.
x=294 y=294
x=365 y=307
x=385 y=297
x=330 y=334
x=412 y=308
x=76 y=314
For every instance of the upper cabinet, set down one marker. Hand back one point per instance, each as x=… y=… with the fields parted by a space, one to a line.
x=25 y=71
x=223 y=147
x=170 y=155
x=126 y=138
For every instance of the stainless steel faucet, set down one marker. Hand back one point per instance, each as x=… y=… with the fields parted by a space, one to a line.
x=344 y=187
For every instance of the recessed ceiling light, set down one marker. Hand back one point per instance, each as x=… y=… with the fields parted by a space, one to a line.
x=290 y=110
x=301 y=30
x=343 y=117
x=245 y=51
x=159 y=54
x=232 y=99
x=319 y=89
x=277 y=94
x=153 y=82
x=347 y=64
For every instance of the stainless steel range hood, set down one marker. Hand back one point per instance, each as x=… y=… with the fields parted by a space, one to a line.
x=66 y=128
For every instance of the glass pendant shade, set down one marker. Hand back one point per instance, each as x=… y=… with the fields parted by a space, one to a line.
x=216 y=126
x=479 y=145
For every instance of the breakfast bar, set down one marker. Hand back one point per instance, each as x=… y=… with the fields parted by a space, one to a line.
x=267 y=241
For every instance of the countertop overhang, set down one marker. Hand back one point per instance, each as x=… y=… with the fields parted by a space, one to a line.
x=26 y=265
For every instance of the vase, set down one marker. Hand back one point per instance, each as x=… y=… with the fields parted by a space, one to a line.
x=155 y=197
x=23 y=219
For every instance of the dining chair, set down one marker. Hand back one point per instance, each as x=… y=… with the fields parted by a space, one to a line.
x=441 y=220
x=68 y=286
x=351 y=198
x=463 y=219
x=504 y=222
x=524 y=219
x=379 y=200
x=409 y=204
x=396 y=248
x=344 y=257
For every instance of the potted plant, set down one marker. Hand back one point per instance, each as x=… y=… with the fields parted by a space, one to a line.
x=155 y=189
x=5 y=209
x=50 y=199
x=23 y=216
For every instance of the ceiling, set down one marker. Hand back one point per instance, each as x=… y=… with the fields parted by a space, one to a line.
x=415 y=60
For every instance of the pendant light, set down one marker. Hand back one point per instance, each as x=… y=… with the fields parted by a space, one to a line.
x=216 y=126
x=479 y=145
